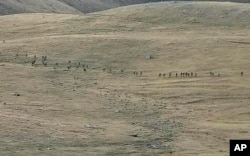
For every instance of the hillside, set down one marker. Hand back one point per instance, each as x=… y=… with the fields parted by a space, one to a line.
x=31 y=6
x=97 y=93
x=61 y=6
x=67 y=6
x=87 y=6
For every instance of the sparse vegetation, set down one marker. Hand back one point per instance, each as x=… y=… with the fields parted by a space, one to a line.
x=63 y=111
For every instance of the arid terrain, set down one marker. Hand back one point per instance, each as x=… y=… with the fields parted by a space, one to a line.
x=98 y=93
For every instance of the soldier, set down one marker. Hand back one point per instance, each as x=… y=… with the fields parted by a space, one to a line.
x=212 y=74
x=69 y=66
x=33 y=62
x=141 y=73
x=169 y=75
x=159 y=74
x=176 y=75
x=241 y=73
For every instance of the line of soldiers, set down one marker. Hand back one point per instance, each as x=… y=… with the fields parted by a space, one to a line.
x=78 y=64
x=213 y=74
x=186 y=74
x=138 y=73
x=182 y=74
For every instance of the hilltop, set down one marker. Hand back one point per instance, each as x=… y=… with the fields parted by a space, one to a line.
x=61 y=6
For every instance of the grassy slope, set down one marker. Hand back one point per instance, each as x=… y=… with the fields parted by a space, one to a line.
x=190 y=116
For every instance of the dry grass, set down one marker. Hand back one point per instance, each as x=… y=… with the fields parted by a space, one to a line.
x=61 y=112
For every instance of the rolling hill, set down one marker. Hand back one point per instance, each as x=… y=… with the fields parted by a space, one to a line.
x=61 y=6
x=31 y=6
x=66 y=6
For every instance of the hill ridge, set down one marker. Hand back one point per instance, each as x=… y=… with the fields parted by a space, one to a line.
x=69 y=6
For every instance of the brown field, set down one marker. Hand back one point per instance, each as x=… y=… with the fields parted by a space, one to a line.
x=50 y=110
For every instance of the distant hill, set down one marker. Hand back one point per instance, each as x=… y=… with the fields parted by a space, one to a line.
x=68 y=6
x=62 y=6
x=87 y=6
x=34 y=6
